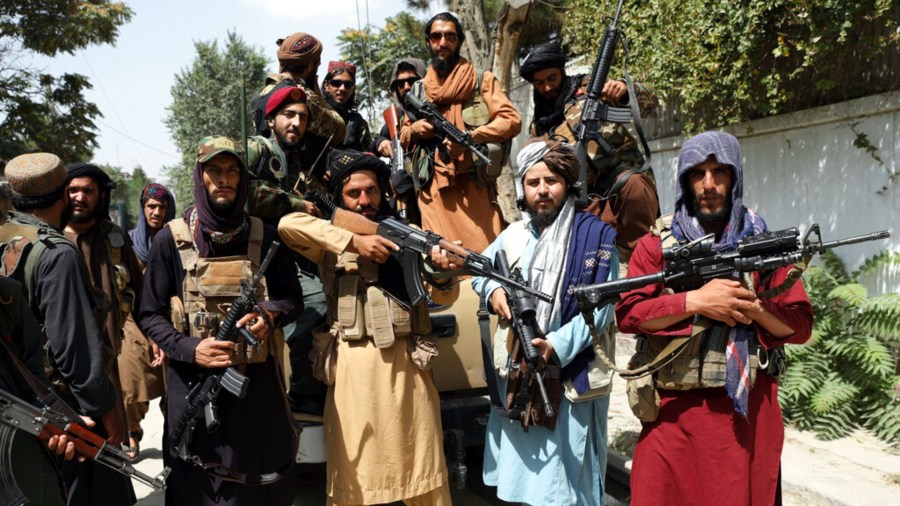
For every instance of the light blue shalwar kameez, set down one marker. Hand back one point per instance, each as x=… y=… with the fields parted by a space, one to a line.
x=566 y=466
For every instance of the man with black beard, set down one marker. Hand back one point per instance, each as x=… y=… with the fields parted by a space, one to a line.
x=557 y=110
x=194 y=272
x=339 y=88
x=456 y=196
x=56 y=284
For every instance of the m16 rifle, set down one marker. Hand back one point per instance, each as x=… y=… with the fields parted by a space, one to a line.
x=444 y=129
x=594 y=111
x=59 y=420
x=527 y=359
x=204 y=393
x=691 y=265
x=413 y=244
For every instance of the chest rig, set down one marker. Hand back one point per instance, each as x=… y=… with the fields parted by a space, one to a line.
x=359 y=309
x=211 y=284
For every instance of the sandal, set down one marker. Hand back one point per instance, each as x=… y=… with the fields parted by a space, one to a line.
x=135 y=449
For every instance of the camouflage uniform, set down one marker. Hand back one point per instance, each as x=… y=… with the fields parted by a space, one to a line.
x=274 y=174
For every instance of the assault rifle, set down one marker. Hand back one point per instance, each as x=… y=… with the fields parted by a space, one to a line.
x=204 y=393
x=594 y=111
x=60 y=420
x=443 y=129
x=689 y=266
x=413 y=244
x=525 y=329
x=391 y=120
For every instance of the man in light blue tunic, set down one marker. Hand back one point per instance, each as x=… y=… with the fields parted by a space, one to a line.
x=557 y=248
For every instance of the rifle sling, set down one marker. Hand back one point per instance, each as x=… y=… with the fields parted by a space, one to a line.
x=487 y=355
x=45 y=396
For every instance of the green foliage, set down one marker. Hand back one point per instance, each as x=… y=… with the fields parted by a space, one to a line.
x=35 y=106
x=401 y=37
x=206 y=100
x=845 y=377
x=127 y=194
x=724 y=62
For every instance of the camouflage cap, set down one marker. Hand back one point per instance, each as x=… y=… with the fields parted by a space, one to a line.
x=35 y=174
x=212 y=146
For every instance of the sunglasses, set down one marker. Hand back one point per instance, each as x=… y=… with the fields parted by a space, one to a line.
x=338 y=83
x=451 y=37
x=409 y=81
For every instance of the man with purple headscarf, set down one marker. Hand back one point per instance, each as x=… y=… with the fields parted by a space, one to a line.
x=712 y=432
x=140 y=361
x=194 y=270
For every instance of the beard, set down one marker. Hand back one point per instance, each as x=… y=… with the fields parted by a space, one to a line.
x=286 y=144
x=222 y=207
x=717 y=216
x=443 y=66
x=544 y=218
x=80 y=218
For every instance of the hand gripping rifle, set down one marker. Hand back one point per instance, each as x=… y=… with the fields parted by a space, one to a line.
x=59 y=420
x=204 y=393
x=444 y=129
x=391 y=120
x=525 y=328
x=413 y=244
x=594 y=111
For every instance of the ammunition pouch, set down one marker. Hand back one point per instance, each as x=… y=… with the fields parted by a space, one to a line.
x=600 y=376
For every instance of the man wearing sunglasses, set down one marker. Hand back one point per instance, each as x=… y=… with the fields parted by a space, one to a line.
x=339 y=87
x=456 y=196
x=406 y=72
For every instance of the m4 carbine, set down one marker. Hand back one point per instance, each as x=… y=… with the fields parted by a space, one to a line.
x=444 y=129
x=689 y=266
x=525 y=328
x=44 y=423
x=413 y=244
x=204 y=393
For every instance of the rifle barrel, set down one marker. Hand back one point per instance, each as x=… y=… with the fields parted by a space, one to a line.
x=874 y=236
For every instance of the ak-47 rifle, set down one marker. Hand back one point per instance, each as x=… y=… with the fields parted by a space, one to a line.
x=391 y=120
x=594 y=111
x=59 y=420
x=204 y=393
x=413 y=244
x=525 y=328
x=691 y=265
x=444 y=129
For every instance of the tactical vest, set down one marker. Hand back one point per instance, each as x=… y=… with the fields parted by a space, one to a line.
x=360 y=309
x=702 y=363
x=211 y=284
x=123 y=293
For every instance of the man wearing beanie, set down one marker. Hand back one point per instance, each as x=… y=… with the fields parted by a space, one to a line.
x=456 y=195
x=340 y=92
x=194 y=272
x=382 y=422
x=299 y=57
x=711 y=436
x=633 y=208
x=113 y=267
x=557 y=247
x=53 y=271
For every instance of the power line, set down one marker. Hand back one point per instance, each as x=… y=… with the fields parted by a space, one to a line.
x=132 y=139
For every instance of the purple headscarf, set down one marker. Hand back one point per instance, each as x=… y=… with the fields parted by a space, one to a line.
x=140 y=235
x=723 y=148
x=211 y=221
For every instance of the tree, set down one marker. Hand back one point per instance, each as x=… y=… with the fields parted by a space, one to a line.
x=36 y=106
x=723 y=62
x=125 y=197
x=206 y=100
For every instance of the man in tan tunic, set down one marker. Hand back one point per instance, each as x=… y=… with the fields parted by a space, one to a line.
x=383 y=432
x=458 y=200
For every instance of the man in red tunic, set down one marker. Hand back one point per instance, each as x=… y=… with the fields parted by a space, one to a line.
x=718 y=434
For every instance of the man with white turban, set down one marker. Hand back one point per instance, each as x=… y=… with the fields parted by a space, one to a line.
x=557 y=460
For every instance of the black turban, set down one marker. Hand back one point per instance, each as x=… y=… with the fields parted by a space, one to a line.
x=547 y=55
x=342 y=163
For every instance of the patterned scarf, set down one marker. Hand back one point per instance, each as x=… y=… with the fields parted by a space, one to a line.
x=742 y=222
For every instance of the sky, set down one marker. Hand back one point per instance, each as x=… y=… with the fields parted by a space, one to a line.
x=132 y=78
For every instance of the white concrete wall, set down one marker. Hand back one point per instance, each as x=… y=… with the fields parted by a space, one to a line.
x=803 y=168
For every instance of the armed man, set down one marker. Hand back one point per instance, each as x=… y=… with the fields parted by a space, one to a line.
x=113 y=267
x=457 y=196
x=558 y=99
x=194 y=273
x=339 y=88
x=557 y=248
x=406 y=72
x=299 y=57
x=140 y=362
x=712 y=412
x=52 y=271
x=382 y=424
